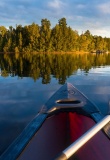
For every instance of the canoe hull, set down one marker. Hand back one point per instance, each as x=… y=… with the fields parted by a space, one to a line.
x=63 y=129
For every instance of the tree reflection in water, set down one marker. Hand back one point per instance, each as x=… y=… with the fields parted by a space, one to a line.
x=46 y=65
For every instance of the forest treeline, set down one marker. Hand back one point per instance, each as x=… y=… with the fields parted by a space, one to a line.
x=46 y=66
x=43 y=38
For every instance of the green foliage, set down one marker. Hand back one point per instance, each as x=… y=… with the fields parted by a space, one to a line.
x=60 y=38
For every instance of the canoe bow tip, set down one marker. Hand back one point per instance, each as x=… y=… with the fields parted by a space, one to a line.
x=68 y=85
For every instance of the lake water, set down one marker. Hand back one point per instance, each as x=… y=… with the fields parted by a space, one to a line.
x=28 y=80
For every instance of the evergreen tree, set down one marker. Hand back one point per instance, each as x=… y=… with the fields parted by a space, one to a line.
x=100 y=43
x=45 y=36
x=64 y=34
x=56 y=38
x=3 y=31
x=32 y=31
x=83 y=43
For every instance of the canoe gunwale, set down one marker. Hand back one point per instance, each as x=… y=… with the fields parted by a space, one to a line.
x=14 y=150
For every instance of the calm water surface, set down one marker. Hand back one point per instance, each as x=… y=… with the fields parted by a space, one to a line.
x=27 y=81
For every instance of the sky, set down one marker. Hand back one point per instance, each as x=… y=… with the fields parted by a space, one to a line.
x=81 y=15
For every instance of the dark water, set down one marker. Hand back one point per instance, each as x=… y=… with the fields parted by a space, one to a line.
x=27 y=81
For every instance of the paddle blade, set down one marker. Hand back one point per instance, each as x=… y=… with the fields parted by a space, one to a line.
x=107 y=126
x=106 y=130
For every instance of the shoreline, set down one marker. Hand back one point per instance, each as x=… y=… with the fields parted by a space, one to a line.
x=60 y=52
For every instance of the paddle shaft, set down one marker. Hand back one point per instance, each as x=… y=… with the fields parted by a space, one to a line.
x=69 y=151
